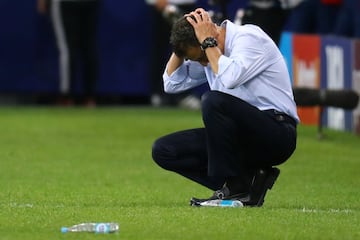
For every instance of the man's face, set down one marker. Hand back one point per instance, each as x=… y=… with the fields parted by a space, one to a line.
x=197 y=55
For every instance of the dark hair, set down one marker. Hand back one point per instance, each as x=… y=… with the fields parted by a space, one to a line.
x=183 y=36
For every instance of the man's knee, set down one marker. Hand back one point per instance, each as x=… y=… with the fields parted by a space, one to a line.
x=161 y=153
x=211 y=99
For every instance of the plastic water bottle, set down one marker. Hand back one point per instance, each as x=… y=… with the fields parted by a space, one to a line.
x=109 y=227
x=222 y=203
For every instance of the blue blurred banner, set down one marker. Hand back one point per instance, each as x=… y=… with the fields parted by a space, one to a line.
x=28 y=54
x=336 y=73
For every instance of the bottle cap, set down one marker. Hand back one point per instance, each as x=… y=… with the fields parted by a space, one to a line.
x=64 y=229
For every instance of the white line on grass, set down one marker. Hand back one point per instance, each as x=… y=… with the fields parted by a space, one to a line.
x=331 y=210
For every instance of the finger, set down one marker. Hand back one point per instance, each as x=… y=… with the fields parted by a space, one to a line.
x=197 y=16
x=191 y=18
x=191 y=21
x=206 y=16
x=199 y=10
x=202 y=13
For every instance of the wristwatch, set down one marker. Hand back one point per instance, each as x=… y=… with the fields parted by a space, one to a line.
x=208 y=42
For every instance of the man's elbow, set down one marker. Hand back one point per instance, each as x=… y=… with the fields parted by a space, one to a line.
x=169 y=88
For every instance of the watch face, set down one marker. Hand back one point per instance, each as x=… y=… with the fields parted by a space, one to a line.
x=208 y=42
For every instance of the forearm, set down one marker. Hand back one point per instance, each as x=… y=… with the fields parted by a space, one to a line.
x=186 y=76
x=213 y=54
x=174 y=63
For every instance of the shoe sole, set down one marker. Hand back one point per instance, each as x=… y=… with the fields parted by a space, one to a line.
x=194 y=203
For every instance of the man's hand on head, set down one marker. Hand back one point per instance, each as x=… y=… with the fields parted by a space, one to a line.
x=202 y=24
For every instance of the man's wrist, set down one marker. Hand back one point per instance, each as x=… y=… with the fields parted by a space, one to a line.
x=208 y=42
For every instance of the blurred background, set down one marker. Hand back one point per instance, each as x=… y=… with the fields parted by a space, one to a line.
x=29 y=71
x=318 y=38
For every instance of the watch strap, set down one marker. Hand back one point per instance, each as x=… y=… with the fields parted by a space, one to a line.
x=208 y=42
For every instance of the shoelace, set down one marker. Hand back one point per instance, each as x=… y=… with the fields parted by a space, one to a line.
x=222 y=193
x=219 y=194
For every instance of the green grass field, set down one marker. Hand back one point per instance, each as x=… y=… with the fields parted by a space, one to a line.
x=59 y=167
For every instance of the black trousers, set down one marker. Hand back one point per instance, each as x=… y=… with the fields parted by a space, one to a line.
x=237 y=139
x=75 y=25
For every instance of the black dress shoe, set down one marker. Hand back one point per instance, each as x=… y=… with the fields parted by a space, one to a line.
x=263 y=180
x=222 y=194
